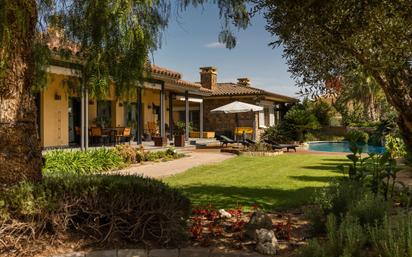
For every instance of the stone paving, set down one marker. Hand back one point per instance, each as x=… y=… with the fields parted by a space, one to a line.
x=164 y=169
x=184 y=252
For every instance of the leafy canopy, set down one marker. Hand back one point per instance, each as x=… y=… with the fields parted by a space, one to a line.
x=328 y=39
x=108 y=40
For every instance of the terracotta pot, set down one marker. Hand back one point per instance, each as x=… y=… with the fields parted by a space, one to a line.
x=179 y=140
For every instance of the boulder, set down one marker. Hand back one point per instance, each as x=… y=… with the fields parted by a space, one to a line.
x=224 y=214
x=267 y=242
x=258 y=220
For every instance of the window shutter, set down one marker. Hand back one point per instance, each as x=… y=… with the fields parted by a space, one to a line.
x=271 y=116
x=261 y=119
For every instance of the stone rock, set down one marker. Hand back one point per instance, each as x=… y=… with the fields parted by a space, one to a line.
x=224 y=214
x=258 y=220
x=267 y=242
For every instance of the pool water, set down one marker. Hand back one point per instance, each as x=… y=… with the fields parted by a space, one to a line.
x=343 y=147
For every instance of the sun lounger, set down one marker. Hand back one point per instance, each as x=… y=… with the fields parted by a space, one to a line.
x=224 y=140
x=250 y=142
x=281 y=146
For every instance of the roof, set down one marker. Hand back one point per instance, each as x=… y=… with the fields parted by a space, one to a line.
x=163 y=71
x=232 y=89
x=176 y=78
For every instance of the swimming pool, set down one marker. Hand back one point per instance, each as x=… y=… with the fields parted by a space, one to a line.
x=342 y=147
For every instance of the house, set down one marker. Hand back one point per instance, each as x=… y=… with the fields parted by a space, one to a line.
x=67 y=115
x=64 y=114
x=274 y=105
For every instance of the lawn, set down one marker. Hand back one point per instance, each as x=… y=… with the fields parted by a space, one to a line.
x=274 y=183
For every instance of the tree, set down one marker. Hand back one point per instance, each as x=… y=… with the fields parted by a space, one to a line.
x=302 y=118
x=328 y=39
x=108 y=39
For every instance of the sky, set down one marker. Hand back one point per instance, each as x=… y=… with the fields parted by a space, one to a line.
x=191 y=42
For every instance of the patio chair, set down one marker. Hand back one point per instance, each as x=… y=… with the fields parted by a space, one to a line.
x=97 y=133
x=224 y=140
x=281 y=146
x=123 y=134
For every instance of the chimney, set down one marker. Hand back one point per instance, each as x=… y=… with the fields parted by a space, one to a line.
x=243 y=82
x=208 y=77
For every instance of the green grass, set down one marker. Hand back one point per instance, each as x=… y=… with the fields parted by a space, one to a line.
x=274 y=183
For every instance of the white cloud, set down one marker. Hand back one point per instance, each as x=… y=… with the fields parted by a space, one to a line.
x=215 y=45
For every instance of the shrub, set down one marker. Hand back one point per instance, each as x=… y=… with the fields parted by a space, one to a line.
x=369 y=210
x=168 y=154
x=127 y=152
x=336 y=199
x=323 y=112
x=312 y=249
x=98 y=208
x=394 y=237
x=281 y=133
x=395 y=146
x=357 y=136
x=310 y=137
x=344 y=239
x=344 y=198
x=78 y=162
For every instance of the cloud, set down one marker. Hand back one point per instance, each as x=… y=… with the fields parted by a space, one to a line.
x=215 y=45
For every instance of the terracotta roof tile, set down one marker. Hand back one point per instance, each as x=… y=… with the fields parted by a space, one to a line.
x=188 y=83
x=163 y=71
x=232 y=89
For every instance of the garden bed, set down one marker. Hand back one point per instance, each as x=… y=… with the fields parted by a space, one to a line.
x=261 y=154
x=248 y=152
x=209 y=229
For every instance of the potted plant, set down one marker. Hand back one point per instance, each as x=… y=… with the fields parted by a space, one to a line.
x=179 y=133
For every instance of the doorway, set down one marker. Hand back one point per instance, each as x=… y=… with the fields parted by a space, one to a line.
x=74 y=120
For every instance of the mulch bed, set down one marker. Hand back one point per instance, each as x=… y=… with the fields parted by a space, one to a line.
x=208 y=229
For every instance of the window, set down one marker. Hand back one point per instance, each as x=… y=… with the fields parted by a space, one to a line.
x=262 y=119
x=267 y=118
x=104 y=114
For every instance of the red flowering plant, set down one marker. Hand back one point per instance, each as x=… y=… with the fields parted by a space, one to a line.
x=283 y=230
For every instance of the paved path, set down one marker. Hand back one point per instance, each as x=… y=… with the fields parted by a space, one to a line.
x=164 y=169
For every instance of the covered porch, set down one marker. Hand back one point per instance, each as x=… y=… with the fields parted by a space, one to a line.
x=150 y=113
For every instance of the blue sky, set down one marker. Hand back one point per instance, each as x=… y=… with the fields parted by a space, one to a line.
x=190 y=42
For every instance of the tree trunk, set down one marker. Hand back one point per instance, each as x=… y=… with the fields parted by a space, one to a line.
x=20 y=153
x=398 y=91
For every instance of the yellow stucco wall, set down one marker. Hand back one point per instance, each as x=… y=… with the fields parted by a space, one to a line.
x=149 y=97
x=54 y=124
x=54 y=118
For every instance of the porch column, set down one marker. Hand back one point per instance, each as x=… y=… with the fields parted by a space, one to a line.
x=187 y=121
x=201 y=119
x=255 y=115
x=171 y=121
x=162 y=111
x=139 y=113
x=86 y=118
x=82 y=120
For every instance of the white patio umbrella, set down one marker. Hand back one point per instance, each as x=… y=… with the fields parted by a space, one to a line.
x=238 y=107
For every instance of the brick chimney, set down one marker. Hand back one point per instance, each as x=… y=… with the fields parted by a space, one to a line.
x=243 y=82
x=208 y=77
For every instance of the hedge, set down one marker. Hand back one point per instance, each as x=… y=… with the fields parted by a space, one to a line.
x=99 y=208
